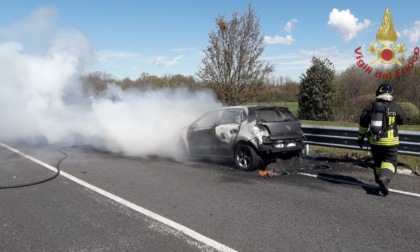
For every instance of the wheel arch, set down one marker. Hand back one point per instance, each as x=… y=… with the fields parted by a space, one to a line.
x=243 y=142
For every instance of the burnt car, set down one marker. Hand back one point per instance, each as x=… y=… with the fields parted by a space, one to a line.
x=246 y=134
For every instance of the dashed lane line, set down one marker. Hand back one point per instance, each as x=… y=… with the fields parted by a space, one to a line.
x=183 y=229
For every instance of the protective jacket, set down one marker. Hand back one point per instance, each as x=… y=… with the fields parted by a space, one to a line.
x=394 y=115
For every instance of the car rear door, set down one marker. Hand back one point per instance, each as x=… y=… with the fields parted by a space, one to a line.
x=201 y=134
x=227 y=130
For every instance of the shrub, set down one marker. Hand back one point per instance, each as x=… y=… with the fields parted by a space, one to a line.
x=412 y=112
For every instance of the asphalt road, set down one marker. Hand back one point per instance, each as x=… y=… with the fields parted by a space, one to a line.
x=105 y=202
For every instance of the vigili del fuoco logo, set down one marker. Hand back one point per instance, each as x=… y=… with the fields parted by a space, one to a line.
x=385 y=52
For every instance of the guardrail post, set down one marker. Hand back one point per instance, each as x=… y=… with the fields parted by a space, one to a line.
x=306 y=149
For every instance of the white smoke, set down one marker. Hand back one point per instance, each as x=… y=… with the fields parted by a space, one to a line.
x=147 y=123
x=40 y=96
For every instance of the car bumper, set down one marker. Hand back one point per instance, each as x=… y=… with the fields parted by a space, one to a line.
x=270 y=147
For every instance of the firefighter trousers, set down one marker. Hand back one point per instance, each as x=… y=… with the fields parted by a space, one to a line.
x=385 y=160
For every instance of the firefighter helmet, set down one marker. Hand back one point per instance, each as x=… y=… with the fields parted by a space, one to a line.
x=384 y=88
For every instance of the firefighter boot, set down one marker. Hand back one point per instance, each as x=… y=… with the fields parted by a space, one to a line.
x=386 y=173
x=383 y=185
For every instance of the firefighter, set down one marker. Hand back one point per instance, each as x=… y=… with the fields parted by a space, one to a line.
x=379 y=121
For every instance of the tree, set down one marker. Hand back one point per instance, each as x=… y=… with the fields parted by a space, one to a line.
x=316 y=91
x=97 y=82
x=232 y=66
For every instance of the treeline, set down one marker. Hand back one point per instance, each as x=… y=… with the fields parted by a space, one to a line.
x=274 y=90
x=97 y=82
x=354 y=89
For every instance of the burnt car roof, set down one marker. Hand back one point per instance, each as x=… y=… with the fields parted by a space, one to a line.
x=254 y=107
x=251 y=109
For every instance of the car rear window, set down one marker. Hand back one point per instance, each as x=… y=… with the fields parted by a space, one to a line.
x=275 y=115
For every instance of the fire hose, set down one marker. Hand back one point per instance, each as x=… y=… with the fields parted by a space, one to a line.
x=42 y=180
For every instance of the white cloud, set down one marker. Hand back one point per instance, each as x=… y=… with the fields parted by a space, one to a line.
x=413 y=34
x=115 y=55
x=295 y=64
x=283 y=57
x=289 y=25
x=322 y=52
x=340 y=59
x=279 y=40
x=346 y=24
x=163 y=62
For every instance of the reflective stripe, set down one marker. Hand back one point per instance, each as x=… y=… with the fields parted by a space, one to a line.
x=389 y=166
x=385 y=141
x=362 y=130
x=391 y=120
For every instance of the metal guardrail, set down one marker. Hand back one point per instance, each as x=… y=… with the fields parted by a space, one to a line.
x=346 y=137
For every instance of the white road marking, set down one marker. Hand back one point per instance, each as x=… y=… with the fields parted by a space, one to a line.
x=183 y=229
x=358 y=184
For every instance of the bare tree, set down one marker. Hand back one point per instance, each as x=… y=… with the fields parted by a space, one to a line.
x=232 y=66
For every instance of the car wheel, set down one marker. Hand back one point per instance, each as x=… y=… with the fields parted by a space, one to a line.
x=246 y=158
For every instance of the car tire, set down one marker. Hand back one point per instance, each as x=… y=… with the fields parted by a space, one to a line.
x=246 y=158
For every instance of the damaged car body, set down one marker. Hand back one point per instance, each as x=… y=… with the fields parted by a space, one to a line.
x=246 y=134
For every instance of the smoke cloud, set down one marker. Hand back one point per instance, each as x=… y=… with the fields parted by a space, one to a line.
x=41 y=97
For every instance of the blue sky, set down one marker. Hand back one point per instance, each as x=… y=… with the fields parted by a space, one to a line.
x=161 y=37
